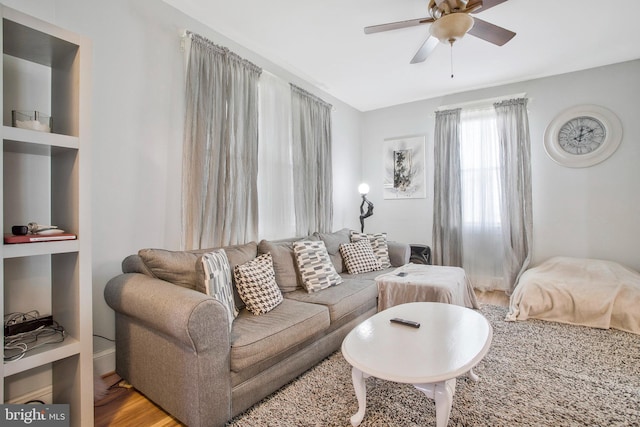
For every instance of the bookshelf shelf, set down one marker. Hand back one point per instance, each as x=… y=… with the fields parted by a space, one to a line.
x=44 y=355
x=40 y=248
x=24 y=140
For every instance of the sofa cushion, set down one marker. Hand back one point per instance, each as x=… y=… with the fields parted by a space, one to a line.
x=341 y=300
x=316 y=269
x=378 y=243
x=359 y=257
x=217 y=281
x=332 y=242
x=133 y=264
x=371 y=275
x=256 y=283
x=239 y=254
x=255 y=339
x=177 y=267
x=184 y=268
x=284 y=263
x=399 y=253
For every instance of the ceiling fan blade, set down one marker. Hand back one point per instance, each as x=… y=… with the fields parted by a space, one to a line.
x=397 y=25
x=425 y=50
x=488 y=4
x=490 y=32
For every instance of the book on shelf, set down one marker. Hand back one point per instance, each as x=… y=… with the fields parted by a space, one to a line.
x=33 y=238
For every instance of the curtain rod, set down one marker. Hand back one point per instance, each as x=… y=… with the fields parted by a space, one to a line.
x=221 y=49
x=310 y=95
x=481 y=102
x=187 y=34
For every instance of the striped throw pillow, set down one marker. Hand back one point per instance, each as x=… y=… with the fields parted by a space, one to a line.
x=217 y=280
x=315 y=266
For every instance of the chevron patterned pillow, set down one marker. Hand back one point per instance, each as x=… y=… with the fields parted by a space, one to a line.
x=359 y=257
x=256 y=283
x=217 y=280
x=316 y=269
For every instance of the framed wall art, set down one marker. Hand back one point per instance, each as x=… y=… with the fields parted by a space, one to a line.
x=404 y=168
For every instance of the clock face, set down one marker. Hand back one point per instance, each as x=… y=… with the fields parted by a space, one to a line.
x=581 y=135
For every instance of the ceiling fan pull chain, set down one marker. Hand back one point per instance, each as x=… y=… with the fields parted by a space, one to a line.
x=451 y=44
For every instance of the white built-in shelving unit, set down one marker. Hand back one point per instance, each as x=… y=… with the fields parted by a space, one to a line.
x=46 y=179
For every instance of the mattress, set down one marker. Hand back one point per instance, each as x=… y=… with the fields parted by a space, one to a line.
x=590 y=292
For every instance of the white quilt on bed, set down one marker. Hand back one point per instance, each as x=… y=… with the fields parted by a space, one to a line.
x=589 y=292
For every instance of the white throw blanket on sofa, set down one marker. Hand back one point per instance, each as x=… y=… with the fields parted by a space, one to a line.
x=597 y=293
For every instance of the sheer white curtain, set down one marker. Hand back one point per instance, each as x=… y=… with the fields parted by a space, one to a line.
x=481 y=168
x=275 y=163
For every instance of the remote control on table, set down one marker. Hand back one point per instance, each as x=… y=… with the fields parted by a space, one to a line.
x=406 y=322
x=402 y=274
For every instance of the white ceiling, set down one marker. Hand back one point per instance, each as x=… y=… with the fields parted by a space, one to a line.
x=323 y=42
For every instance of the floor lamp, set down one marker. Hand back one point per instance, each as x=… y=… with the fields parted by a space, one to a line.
x=363 y=189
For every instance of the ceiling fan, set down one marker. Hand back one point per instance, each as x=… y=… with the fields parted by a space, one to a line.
x=450 y=21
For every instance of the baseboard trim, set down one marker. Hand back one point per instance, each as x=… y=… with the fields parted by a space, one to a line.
x=44 y=394
x=104 y=362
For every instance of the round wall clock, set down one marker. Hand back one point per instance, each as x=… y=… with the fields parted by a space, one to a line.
x=583 y=136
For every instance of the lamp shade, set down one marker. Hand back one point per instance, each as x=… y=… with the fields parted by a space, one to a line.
x=363 y=188
x=451 y=27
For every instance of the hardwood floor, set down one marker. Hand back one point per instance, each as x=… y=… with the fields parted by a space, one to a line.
x=124 y=407
x=493 y=297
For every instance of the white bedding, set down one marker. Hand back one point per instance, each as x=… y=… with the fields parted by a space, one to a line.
x=589 y=292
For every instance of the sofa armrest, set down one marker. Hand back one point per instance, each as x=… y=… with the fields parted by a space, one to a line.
x=173 y=345
x=399 y=253
x=186 y=315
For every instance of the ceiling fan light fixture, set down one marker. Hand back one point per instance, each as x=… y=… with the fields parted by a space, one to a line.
x=452 y=27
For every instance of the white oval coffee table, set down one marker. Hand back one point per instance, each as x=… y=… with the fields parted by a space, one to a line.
x=450 y=342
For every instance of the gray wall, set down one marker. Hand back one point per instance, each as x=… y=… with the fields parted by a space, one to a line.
x=586 y=212
x=137 y=123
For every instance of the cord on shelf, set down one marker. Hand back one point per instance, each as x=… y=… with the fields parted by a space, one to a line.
x=17 y=346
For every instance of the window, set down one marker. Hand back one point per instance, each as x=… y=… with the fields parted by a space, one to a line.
x=480 y=168
x=482 y=193
x=480 y=171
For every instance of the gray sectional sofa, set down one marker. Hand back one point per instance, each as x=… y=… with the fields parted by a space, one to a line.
x=173 y=342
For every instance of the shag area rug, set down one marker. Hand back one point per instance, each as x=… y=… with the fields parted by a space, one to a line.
x=536 y=374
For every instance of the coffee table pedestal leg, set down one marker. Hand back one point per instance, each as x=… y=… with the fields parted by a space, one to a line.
x=442 y=392
x=472 y=375
x=360 y=388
